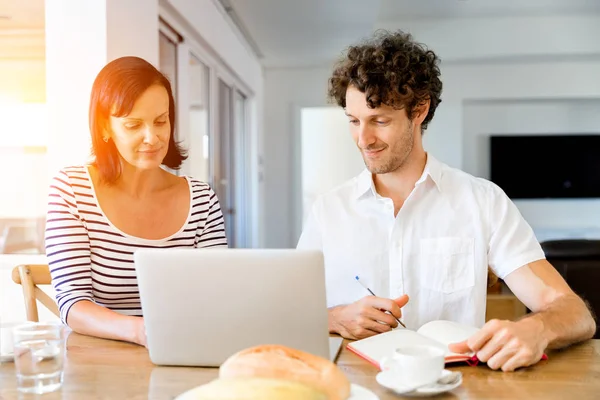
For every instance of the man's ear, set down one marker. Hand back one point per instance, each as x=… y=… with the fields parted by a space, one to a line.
x=420 y=112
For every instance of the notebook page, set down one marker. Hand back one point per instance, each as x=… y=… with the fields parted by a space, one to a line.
x=447 y=332
x=374 y=348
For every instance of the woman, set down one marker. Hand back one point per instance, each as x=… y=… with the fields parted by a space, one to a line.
x=99 y=214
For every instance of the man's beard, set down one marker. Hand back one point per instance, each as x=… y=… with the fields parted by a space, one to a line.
x=399 y=153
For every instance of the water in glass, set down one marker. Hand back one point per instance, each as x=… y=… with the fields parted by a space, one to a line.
x=39 y=357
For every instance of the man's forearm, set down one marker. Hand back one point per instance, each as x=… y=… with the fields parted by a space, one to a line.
x=565 y=321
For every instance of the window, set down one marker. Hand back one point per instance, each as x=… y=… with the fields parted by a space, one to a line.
x=23 y=160
x=168 y=43
x=231 y=174
x=199 y=134
x=224 y=173
x=240 y=149
x=167 y=54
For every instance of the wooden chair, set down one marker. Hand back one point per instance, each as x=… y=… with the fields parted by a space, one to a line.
x=29 y=276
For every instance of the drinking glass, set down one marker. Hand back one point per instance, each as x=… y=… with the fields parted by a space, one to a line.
x=39 y=354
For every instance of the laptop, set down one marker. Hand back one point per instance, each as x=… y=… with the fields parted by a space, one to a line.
x=201 y=306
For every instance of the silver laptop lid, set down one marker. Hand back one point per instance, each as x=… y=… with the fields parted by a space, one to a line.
x=201 y=306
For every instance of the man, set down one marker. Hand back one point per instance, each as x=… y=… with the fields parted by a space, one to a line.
x=423 y=234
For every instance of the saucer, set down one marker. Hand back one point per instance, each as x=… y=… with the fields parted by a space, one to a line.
x=388 y=380
x=358 y=392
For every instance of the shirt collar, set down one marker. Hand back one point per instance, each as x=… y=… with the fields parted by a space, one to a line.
x=364 y=185
x=433 y=169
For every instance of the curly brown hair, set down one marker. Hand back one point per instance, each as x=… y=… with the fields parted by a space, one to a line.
x=391 y=69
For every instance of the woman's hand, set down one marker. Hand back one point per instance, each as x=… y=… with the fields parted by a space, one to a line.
x=140 y=332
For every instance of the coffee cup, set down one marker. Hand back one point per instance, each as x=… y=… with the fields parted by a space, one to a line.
x=416 y=365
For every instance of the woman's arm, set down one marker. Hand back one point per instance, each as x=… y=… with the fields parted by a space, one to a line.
x=68 y=254
x=212 y=233
x=91 y=319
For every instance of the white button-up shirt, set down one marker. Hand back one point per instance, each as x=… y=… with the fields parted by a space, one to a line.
x=436 y=249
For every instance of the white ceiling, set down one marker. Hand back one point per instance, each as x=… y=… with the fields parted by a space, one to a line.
x=393 y=10
x=309 y=32
x=304 y=32
x=312 y=32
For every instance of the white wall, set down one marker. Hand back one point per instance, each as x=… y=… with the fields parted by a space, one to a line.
x=459 y=39
x=329 y=154
x=537 y=58
x=119 y=38
x=286 y=92
x=549 y=217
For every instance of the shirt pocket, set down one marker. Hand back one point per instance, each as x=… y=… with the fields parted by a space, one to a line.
x=447 y=263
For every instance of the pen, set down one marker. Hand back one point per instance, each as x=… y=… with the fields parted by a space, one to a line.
x=370 y=291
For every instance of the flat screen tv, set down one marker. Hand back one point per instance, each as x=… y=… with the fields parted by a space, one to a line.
x=546 y=166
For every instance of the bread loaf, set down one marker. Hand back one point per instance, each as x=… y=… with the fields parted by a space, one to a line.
x=253 y=389
x=280 y=362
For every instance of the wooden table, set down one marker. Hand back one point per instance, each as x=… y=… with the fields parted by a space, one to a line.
x=104 y=369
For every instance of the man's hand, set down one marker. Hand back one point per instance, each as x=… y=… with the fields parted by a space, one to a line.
x=366 y=317
x=505 y=344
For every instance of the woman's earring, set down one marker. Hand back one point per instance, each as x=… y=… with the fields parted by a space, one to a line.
x=105 y=139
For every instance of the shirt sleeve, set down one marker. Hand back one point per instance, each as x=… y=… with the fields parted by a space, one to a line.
x=67 y=247
x=512 y=241
x=311 y=237
x=212 y=233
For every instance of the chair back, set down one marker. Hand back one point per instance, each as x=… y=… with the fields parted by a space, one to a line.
x=29 y=276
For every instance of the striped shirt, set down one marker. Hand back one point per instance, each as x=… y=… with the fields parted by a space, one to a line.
x=90 y=259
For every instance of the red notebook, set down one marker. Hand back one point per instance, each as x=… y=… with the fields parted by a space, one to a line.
x=435 y=333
